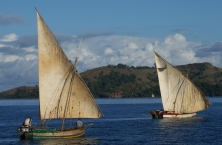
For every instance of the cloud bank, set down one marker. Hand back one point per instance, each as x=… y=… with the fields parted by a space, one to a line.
x=18 y=55
x=10 y=19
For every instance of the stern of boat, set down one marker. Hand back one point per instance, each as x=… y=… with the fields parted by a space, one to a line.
x=157 y=114
x=25 y=132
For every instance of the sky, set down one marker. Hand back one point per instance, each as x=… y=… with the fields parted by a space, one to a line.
x=112 y=32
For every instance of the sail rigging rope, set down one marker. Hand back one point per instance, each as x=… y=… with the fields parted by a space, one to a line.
x=73 y=72
x=59 y=98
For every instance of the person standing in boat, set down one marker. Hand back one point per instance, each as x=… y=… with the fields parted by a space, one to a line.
x=79 y=123
x=27 y=122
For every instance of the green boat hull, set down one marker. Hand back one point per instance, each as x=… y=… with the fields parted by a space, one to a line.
x=41 y=133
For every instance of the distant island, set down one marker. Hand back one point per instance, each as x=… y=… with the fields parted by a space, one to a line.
x=122 y=81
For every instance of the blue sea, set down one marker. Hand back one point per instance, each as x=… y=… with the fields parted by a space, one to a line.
x=125 y=122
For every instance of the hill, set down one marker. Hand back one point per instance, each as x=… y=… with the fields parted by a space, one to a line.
x=22 y=92
x=125 y=81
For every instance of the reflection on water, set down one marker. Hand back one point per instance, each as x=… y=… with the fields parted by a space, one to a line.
x=177 y=130
x=125 y=119
x=177 y=124
x=73 y=141
x=186 y=120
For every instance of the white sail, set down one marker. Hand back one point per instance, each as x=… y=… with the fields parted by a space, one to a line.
x=178 y=93
x=62 y=92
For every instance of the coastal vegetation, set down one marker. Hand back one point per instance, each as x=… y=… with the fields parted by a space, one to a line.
x=122 y=81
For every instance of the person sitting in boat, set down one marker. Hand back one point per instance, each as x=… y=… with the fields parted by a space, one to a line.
x=27 y=122
x=79 y=123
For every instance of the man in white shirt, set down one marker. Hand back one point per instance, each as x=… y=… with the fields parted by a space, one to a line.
x=27 y=122
x=79 y=123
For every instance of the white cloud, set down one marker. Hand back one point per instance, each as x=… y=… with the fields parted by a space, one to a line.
x=132 y=46
x=136 y=51
x=11 y=58
x=20 y=64
x=9 y=38
x=177 y=38
x=8 y=58
x=108 y=51
x=2 y=45
x=149 y=47
x=30 y=57
x=29 y=49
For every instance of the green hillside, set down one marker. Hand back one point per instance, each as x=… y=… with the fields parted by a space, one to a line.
x=125 y=81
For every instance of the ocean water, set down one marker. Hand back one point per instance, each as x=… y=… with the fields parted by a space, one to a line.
x=125 y=121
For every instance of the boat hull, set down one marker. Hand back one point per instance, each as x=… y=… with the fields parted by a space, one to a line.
x=159 y=114
x=170 y=115
x=41 y=133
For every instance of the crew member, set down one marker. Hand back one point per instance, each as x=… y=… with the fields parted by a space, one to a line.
x=27 y=122
x=79 y=123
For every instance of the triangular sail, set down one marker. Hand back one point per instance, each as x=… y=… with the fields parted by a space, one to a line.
x=178 y=93
x=62 y=92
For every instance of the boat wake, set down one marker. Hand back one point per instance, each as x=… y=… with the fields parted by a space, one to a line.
x=124 y=119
